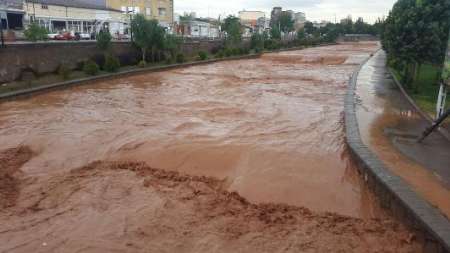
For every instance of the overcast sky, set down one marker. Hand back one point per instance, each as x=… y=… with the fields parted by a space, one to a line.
x=315 y=10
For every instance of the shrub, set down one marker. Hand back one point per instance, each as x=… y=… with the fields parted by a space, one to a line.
x=272 y=44
x=142 y=64
x=112 y=64
x=91 y=68
x=236 y=51
x=180 y=58
x=228 y=52
x=35 y=32
x=64 y=71
x=169 y=60
x=257 y=42
x=202 y=55
x=220 y=54
x=104 y=40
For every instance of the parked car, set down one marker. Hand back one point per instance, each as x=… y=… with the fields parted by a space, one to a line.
x=122 y=36
x=64 y=36
x=82 y=36
x=52 y=35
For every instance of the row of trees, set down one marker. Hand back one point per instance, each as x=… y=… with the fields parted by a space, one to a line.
x=416 y=33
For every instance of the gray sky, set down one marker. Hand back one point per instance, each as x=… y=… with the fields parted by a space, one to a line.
x=315 y=10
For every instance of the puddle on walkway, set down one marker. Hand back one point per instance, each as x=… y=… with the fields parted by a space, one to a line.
x=390 y=127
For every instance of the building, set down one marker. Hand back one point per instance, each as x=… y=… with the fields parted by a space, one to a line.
x=321 y=24
x=299 y=18
x=161 y=10
x=11 y=14
x=75 y=16
x=198 y=28
x=252 y=21
x=251 y=15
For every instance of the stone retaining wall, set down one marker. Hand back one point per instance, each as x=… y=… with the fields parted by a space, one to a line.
x=17 y=60
x=44 y=88
x=393 y=192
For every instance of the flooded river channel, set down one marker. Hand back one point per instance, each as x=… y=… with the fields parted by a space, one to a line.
x=269 y=129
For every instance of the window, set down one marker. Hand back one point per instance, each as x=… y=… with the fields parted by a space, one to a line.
x=44 y=6
x=130 y=8
x=162 y=12
x=137 y=10
x=148 y=11
x=123 y=8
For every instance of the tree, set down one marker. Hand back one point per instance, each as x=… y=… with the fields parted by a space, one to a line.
x=309 y=28
x=301 y=35
x=275 y=33
x=35 y=32
x=141 y=34
x=347 y=25
x=415 y=33
x=104 y=40
x=233 y=28
x=148 y=35
x=257 y=42
x=360 y=27
x=286 y=23
x=172 y=45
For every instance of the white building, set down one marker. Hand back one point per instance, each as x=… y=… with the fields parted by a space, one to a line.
x=74 y=16
x=198 y=29
x=251 y=15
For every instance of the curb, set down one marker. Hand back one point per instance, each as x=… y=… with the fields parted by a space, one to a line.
x=65 y=84
x=424 y=115
x=392 y=191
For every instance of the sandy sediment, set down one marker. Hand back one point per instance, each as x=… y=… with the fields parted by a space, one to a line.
x=131 y=207
x=10 y=162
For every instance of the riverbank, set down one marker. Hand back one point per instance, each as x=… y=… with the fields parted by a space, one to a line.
x=410 y=179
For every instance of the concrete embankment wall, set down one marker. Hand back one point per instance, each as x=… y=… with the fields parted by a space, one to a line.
x=392 y=191
x=42 y=58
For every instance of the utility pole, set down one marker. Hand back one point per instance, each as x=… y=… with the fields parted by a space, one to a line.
x=131 y=30
x=1 y=33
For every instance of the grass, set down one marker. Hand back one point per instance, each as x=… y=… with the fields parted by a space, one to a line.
x=428 y=88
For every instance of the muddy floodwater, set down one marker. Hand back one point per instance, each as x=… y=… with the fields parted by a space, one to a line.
x=174 y=145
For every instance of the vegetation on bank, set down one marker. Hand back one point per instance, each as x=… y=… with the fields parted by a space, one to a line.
x=161 y=49
x=415 y=37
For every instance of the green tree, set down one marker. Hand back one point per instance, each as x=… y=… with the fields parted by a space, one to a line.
x=275 y=33
x=104 y=40
x=415 y=33
x=232 y=27
x=147 y=35
x=257 y=42
x=286 y=23
x=172 y=45
x=301 y=34
x=347 y=25
x=34 y=33
x=141 y=29
x=309 y=28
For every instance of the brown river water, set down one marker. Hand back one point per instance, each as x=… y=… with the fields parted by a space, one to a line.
x=269 y=129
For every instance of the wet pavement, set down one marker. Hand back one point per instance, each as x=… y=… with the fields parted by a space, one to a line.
x=271 y=128
x=390 y=127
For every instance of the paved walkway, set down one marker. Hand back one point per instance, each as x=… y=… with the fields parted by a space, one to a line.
x=389 y=126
